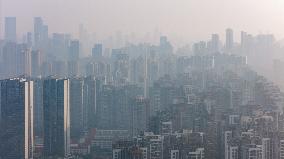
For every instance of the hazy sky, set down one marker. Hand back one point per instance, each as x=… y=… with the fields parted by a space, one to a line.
x=192 y=19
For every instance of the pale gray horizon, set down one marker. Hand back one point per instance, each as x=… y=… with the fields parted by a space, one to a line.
x=189 y=19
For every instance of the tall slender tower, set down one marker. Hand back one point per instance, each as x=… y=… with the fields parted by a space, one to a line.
x=229 y=39
x=56 y=118
x=10 y=29
x=16 y=133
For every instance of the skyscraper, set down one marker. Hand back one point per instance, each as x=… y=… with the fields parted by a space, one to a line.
x=56 y=118
x=10 y=29
x=40 y=33
x=76 y=108
x=139 y=115
x=215 y=43
x=23 y=60
x=74 y=50
x=97 y=51
x=9 y=59
x=16 y=133
x=229 y=39
x=35 y=63
x=38 y=25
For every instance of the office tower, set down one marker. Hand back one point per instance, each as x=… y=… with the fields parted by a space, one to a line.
x=211 y=147
x=38 y=108
x=90 y=97
x=140 y=115
x=73 y=68
x=215 y=42
x=76 y=108
x=23 y=60
x=38 y=26
x=120 y=66
x=90 y=69
x=56 y=117
x=165 y=46
x=105 y=104
x=74 y=50
x=10 y=29
x=97 y=51
x=59 y=69
x=35 y=63
x=29 y=40
x=46 y=69
x=229 y=39
x=9 y=59
x=16 y=133
x=60 y=46
x=40 y=33
x=200 y=48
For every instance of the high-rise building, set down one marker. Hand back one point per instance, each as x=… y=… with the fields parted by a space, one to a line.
x=56 y=117
x=76 y=108
x=9 y=59
x=35 y=63
x=90 y=90
x=38 y=25
x=211 y=141
x=267 y=148
x=228 y=138
x=40 y=33
x=16 y=133
x=97 y=51
x=215 y=42
x=23 y=60
x=229 y=39
x=38 y=108
x=10 y=29
x=74 y=50
x=73 y=68
x=120 y=66
x=140 y=115
x=29 y=39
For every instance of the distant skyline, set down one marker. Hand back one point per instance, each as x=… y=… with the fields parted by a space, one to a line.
x=189 y=19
